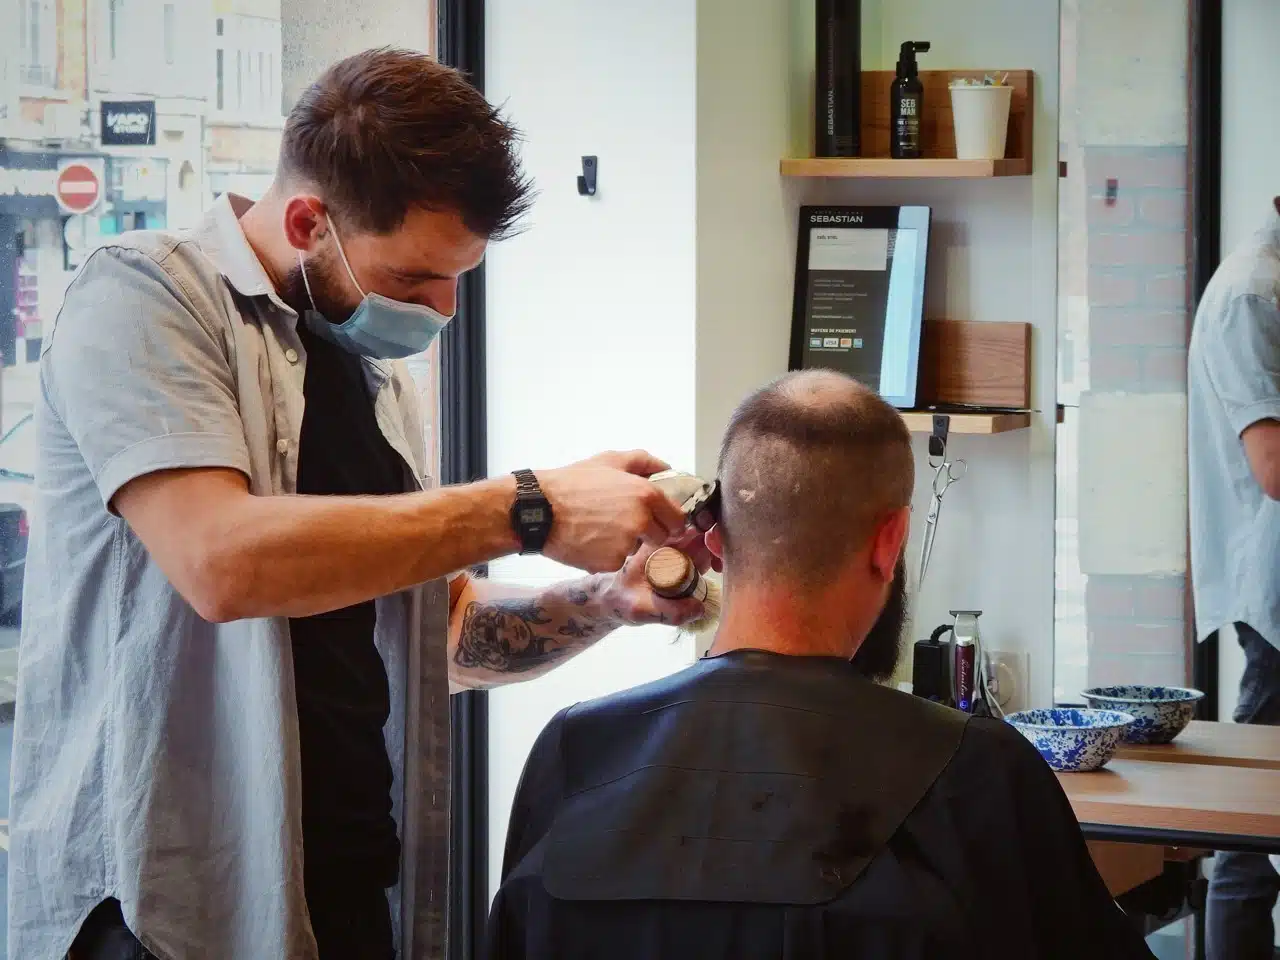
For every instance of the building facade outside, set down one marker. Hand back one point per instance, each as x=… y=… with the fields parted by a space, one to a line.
x=246 y=111
x=159 y=105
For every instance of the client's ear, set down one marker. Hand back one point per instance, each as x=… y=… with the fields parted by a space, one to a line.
x=888 y=541
x=715 y=542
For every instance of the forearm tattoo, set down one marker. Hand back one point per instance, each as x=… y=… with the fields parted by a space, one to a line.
x=504 y=636
x=526 y=634
x=579 y=629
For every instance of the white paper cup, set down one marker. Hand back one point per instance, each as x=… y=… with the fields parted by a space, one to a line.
x=980 y=116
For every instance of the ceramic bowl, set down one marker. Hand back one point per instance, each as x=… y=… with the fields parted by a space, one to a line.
x=1070 y=739
x=1159 y=713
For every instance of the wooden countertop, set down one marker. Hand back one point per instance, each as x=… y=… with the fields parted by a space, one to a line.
x=1217 y=744
x=1181 y=797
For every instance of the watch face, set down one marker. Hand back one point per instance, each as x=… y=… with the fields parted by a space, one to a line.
x=532 y=516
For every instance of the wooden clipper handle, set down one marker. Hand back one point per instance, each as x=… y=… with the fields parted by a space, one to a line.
x=673 y=575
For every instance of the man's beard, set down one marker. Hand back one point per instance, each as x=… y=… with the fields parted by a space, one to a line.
x=880 y=652
x=325 y=287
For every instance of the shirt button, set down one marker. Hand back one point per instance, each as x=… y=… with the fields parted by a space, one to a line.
x=282 y=446
x=291 y=355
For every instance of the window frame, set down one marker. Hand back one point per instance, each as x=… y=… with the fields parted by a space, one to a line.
x=1205 y=198
x=464 y=457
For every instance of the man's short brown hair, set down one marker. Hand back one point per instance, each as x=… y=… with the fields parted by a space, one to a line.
x=387 y=130
x=809 y=466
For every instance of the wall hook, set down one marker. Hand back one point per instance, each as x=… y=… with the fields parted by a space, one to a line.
x=938 y=439
x=587 y=181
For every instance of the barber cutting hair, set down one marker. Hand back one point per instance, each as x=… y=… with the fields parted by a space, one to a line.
x=242 y=618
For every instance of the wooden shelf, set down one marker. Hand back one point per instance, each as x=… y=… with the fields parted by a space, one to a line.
x=921 y=421
x=884 y=168
x=937 y=135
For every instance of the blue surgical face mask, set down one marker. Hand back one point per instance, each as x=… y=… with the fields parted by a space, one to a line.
x=380 y=328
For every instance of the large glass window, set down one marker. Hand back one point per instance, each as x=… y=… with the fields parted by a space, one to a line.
x=212 y=72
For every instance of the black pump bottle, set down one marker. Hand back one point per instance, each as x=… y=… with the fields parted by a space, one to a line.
x=906 y=103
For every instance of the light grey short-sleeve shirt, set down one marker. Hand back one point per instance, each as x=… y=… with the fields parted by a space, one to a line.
x=1233 y=381
x=155 y=755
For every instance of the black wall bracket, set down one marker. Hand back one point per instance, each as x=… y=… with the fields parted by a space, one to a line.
x=587 y=180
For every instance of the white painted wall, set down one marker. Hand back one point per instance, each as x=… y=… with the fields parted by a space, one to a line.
x=1250 y=179
x=746 y=213
x=591 y=312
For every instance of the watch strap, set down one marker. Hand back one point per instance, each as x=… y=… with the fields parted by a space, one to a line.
x=531 y=513
x=526 y=483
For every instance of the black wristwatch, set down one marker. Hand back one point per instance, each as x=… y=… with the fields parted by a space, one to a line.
x=531 y=513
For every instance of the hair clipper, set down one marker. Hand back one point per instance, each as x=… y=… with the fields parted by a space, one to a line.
x=966 y=651
x=699 y=499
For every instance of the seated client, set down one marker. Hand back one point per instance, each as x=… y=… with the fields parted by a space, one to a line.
x=774 y=800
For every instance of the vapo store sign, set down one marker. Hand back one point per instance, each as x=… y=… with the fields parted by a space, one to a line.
x=128 y=123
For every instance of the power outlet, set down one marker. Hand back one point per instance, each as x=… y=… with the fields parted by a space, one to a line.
x=1010 y=681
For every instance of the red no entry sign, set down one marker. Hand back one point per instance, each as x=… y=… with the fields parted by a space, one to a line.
x=79 y=188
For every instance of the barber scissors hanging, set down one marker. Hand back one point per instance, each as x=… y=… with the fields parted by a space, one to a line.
x=945 y=473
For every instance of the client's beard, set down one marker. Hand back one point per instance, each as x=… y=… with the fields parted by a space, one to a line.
x=878 y=657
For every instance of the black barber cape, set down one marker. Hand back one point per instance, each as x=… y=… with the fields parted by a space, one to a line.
x=757 y=806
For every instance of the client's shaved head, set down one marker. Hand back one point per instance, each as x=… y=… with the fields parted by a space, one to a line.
x=810 y=464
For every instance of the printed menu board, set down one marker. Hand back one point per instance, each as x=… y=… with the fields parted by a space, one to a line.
x=859 y=295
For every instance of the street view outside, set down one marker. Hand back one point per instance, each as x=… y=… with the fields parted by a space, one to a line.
x=114 y=115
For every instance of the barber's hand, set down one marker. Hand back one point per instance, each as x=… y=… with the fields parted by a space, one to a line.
x=605 y=508
x=628 y=598
x=692 y=542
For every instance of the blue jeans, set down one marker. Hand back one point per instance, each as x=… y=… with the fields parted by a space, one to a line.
x=1244 y=887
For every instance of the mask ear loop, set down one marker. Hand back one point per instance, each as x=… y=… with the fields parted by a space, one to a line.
x=307 y=283
x=343 y=254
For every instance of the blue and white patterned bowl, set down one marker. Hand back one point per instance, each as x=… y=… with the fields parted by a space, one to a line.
x=1159 y=713
x=1070 y=739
